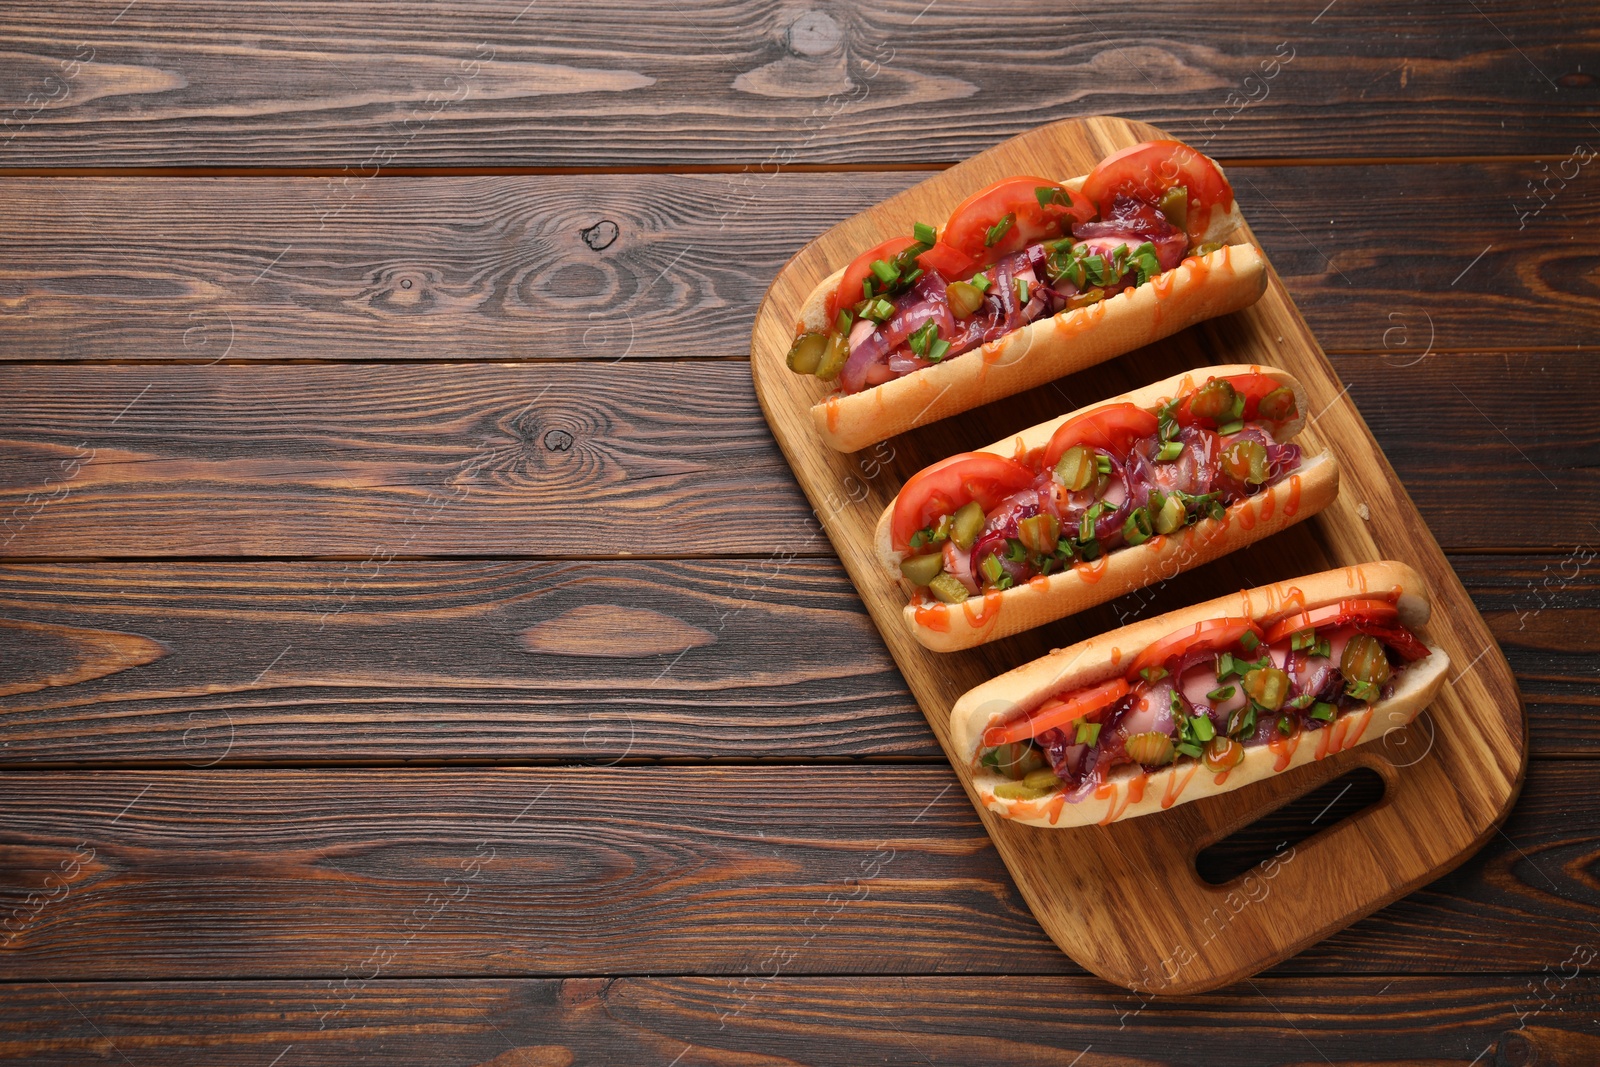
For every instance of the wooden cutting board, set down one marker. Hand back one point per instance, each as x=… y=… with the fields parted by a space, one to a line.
x=1125 y=900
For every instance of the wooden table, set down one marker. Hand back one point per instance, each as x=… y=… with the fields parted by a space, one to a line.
x=416 y=650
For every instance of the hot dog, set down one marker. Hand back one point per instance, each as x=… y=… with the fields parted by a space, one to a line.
x=1030 y=279
x=1202 y=700
x=1110 y=498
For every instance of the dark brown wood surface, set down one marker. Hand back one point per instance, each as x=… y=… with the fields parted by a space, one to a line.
x=492 y=84
x=287 y=648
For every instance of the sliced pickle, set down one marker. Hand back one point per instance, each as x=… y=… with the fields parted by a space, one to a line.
x=948 y=589
x=921 y=570
x=806 y=355
x=967 y=524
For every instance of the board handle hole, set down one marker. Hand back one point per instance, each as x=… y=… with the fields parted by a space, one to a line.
x=1288 y=825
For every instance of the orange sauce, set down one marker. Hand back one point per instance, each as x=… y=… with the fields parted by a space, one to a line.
x=831 y=409
x=1157 y=542
x=1092 y=572
x=989 y=610
x=1247 y=515
x=1295 y=599
x=1175 y=787
x=1136 y=787
x=1223 y=777
x=1040 y=582
x=1162 y=284
x=1292 y=505
x=1054 y=807
x=1355 y=732
x=1116 y=656
x=1283 y=748
x=934 y=617
x=1325 y=735
x=1269 y=504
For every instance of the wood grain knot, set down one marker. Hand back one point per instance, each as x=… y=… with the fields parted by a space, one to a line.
x=601 y=235
x=614 y=631
x=40 y=655
x=815 y=33
x=532 y=1056
x=576 y=991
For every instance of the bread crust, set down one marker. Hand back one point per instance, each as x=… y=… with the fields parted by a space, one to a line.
x=1130 y=793
x=1200 y=288
x=950 y=628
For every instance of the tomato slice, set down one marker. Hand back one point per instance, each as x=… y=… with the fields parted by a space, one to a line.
x=1111 y=427
x=1253 y=387
x=849 y=290
x=941 y=257
x=1213 y=635
x=945 y=486
x=1340 y=613
x=946 y=260
x=969 y=226
x=1057 y=711
x=1147 y=170
x=1396 y=637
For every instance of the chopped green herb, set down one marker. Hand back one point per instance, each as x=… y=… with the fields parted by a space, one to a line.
x=998 y=230
x=1022 y=290
x=1324 y=712
x=1015 y=552
x=885 y=271
x=1230 y=427
x=1220 y=694
x=1362 y=690
x=1136 y=529
x=1102 y=463
x=879 y=310
x=980 y=282
x=923 y=337
x=1088 y=732
x=1286 y=725
x=1153 y=674
x=924 y=233
x=1249 y=641
x=1170 y=451
x=1242 y=723
x=1301 y=640
x=937 y=350
x=1190 y=750
x=1323 y=649
x=1226 y=667
x=990 y=566
x=1202 y=727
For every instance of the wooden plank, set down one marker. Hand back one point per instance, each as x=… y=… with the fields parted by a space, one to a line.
x=370 y=462
x=481 y=661
x=1104 y=893
x=641 y=870
x=495 y=661
x=792 y=1020
x=1399 y=260
x=727 y=82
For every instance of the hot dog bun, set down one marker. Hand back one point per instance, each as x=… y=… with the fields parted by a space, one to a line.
x=1200 y=288
x=949 y=628
x=1127 y=793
